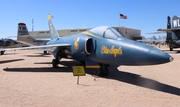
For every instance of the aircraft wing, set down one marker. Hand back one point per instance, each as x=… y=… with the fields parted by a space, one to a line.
x=147 y=41
x=42 y=39
x=158 y=32
x=36 y=47
x=168 y=30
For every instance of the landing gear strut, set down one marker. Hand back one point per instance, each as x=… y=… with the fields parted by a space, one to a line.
x=55 y=61
x=171 y=48
x=103 y=71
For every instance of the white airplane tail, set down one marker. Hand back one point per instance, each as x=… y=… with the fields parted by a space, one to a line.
x=160 y=38
x=154 y=38
x=53 y=31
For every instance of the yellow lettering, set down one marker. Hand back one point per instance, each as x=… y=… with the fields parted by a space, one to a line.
x=112 y=50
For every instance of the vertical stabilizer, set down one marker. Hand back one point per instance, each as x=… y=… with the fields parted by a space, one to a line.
x=176 y=25
x=22 y=29
x=154 y=37
x=160 y=38
x=23 y=35
x=168 y=22
x=53 y=31
x=169 y=34
x=176 y=22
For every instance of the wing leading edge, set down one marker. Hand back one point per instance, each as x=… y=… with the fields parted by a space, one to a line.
x=36 y=47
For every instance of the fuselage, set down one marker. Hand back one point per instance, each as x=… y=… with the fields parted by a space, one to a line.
x=120 y=51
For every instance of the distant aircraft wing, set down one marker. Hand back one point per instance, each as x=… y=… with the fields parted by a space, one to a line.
x=158 y=32
x=42 y=39
x=36 y=47
x=169 y=30
x=145 y=40
x=12 y=37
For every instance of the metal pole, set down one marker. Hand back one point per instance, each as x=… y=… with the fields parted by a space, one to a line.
x=32 y=24
x=119 y=22
x=78 y=80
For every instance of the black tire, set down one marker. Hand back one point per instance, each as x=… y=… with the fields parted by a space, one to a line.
x=45 y=52
x=54 y=63
x=106 y=72
x=171 y=48
x=103 y=72
x=2 y=52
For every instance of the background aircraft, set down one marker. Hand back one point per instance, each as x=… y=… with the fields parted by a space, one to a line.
x=146 y=40
x=24 y=37
x=173 y=34
x=8 y=43
x=160 y=41
x=153 y=40
x=103 y=45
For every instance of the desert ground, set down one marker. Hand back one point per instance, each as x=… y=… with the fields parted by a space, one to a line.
x=27 y=79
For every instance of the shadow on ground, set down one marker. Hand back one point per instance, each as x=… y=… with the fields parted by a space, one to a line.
x=8 y=61
x=6 y=53
x=172 y=52
x=114 y=73
x=39 y=55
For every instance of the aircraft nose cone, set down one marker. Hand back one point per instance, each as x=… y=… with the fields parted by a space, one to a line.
x=171 y=59
x=149 y=55
x=158 y=56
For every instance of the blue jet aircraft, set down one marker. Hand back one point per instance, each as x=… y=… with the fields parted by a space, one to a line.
x=103 y=45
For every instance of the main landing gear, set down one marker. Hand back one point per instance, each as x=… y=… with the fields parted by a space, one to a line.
x=103 y=70
x=55 y=61
x=171 y=48
x=2 y=52
x=45 y=52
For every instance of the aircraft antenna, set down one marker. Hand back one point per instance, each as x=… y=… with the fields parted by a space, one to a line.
x=32 y=24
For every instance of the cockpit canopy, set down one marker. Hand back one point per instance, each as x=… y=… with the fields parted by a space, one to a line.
x=106 y=32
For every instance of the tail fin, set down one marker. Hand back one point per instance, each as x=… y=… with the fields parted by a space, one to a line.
x=168 y=22
x=53 y=31
x=23 y=35
x=176 y=22
x=169 y=34
x=160 y=38
x=176 y=25
x=22 y=29
x=154 y=38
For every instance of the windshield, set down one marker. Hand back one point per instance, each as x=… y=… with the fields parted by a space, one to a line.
x=111 y=33
x=106 y=32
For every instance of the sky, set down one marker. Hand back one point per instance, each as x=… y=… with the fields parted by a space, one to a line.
x=145 y=15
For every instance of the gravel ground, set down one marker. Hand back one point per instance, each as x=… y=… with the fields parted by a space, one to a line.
x=27 y=79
